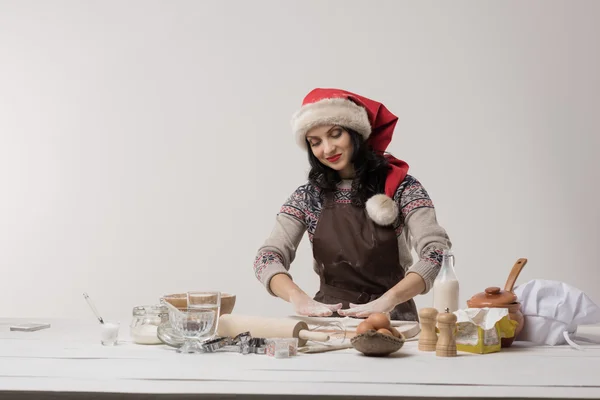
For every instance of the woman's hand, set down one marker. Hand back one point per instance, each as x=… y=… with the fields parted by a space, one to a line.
x=286 y=289
x=304 y=305
x=384 y=304
x=406 y=289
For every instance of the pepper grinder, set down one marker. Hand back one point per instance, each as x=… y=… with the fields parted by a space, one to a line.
x=428 y=337
x=446 y=344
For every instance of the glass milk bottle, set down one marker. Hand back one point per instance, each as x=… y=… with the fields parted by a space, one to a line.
x=445 y=286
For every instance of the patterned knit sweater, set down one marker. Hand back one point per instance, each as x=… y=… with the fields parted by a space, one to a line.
x=416 y=228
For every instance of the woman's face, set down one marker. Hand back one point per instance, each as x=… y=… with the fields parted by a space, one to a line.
x=332 y=146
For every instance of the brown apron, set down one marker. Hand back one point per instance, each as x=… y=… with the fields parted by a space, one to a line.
x=356 y=259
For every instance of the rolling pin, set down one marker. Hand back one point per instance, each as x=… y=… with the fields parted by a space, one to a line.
x=233 y=324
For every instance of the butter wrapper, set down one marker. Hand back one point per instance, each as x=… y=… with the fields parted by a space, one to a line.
x=480 y=330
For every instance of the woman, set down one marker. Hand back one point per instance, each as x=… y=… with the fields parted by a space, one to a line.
x=363 y=214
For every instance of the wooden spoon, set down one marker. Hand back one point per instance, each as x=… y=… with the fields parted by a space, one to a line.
x=514 y=274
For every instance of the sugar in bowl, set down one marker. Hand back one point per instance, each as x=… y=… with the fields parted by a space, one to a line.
x=145 y=323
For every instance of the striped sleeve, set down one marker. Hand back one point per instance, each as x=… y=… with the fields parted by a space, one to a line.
x=428 y=237
x=279 y=250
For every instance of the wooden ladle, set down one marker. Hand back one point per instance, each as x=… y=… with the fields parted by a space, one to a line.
x=514 y=274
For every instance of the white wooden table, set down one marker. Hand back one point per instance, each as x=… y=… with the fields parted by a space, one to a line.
x=68 y=360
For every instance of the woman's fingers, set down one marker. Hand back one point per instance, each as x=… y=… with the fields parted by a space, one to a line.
x=363 y=314
x=334 y=307
x=321 y=312
x=351 y=312
x=357 y=310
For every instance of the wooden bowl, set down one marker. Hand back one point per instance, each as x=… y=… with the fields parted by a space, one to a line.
x=179 y=300
x=227 y=303
x=375 y=344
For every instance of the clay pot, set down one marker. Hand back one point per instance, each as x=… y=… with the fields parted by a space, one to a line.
x=494 y=297
x=179 y=300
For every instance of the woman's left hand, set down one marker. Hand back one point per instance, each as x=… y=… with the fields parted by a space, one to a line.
x=384 y=304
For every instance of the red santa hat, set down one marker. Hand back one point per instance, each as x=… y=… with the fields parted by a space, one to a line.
x=372 y=120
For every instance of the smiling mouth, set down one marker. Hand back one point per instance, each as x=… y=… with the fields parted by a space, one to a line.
x=334 y=158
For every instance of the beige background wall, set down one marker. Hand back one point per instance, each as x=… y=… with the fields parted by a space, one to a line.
x=145 y=146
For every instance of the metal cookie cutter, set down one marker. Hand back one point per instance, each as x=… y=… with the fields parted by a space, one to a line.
x=249 y=344
x=243 y=343
x=212 y=345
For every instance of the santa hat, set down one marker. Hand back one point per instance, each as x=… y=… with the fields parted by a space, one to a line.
x=372 y=121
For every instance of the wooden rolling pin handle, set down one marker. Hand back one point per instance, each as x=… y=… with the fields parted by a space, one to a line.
x=316 y=336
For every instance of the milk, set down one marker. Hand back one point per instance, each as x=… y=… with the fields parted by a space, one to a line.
x=446 y=287
x=445 y=295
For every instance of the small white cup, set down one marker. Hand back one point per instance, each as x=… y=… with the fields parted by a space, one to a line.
x=110 y=333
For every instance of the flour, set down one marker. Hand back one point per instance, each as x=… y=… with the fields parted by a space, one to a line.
x=145 y=334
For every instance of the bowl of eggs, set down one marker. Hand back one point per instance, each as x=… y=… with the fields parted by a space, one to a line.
x=376 y=337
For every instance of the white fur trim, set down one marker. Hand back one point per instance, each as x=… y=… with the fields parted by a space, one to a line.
x=336 y=111
x=382 y=209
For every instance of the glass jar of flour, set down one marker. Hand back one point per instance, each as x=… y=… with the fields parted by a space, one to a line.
x=145 y=322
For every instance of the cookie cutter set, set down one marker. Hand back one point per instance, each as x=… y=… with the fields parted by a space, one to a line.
x=244 y=343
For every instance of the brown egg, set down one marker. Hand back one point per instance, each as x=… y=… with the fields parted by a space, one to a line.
x=394 y=332
x=379 y=320
x=363 y=327
x=385 y=332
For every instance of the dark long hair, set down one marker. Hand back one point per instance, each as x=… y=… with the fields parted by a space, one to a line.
x=370 y=169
